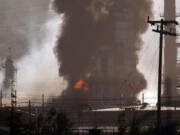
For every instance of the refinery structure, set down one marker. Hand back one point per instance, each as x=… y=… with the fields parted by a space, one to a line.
x=115 y=81
x=108 y=62
x=114 y=72
x=8 y=90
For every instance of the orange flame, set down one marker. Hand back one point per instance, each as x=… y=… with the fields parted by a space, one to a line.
x=81 y=85
x=129 y=85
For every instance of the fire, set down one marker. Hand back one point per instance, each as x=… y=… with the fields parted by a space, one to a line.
x=81 y=85
x=129 y=85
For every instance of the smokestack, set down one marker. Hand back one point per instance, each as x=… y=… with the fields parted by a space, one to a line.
x=105 y=33
x=9 y=74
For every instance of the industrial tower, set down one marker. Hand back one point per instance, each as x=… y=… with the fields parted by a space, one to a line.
x=115 y=75
x=9 y=83
x=170 y=94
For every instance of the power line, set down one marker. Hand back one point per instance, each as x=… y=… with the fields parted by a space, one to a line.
x=162 y=32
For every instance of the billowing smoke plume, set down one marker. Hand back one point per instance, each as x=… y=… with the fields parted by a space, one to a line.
x=20 y=21
x=20 y=27
x=84 y=31
x=104 y=32
x=29 y=28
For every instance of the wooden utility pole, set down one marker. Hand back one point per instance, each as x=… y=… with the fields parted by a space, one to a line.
x=162 y=32
x=29 y=110
x=1 y=97
x=43 y=104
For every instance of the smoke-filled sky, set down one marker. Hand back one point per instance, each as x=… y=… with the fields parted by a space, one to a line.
x=93 y=25
x=20 y=22
x=30 y=29
x=149 y=54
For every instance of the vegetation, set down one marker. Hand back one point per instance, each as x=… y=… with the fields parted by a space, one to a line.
x=52 y=124
x=136 y=129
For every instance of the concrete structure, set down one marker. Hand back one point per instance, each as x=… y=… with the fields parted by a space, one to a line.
x=170 y=57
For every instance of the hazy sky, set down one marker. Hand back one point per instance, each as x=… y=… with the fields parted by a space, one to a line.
x=149 y=54
x=30 y=29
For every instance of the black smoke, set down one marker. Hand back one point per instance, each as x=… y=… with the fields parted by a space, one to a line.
x=89 y=26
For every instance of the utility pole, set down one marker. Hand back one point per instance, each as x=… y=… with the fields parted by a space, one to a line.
x=43 y=104
x=162 y=32
x=1 y=97
x=29 y=110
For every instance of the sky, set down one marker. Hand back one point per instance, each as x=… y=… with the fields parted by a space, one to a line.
x=40 y=68
x=37 y=69
x=148 y=56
